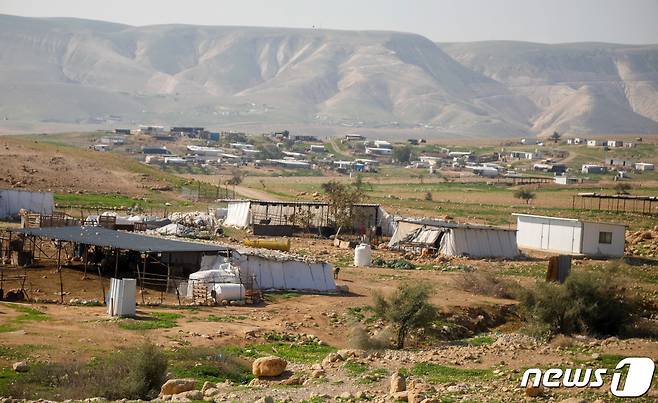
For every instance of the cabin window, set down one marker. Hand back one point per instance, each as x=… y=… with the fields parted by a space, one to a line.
x=605 y=237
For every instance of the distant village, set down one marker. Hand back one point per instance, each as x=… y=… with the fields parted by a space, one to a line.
x=301 y=151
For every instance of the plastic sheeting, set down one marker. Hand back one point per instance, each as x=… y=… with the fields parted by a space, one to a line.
x=477 y=242
x=458 y=240
x=214 y=269
x=11 y=201
x=284 y=275
x=238 y=214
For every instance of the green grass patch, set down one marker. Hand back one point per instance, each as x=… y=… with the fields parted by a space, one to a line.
x=18 y=352
x=214 y=367
x=28 y=314
x=298 y=353
x=436 y=373
x=274 y=297
x=225 y=318
x=354 y=368
x=480 y=340
x=156 y=320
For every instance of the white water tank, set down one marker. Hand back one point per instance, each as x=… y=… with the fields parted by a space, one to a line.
x=362 y=255
x=229 y=292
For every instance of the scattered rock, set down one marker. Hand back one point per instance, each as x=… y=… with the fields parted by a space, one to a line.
x=21 y=366
x=403 y=396
x=266 y=399
x=532 y=391
x=397 y=384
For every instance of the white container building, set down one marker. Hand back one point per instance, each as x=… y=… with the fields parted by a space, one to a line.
x=570 y=236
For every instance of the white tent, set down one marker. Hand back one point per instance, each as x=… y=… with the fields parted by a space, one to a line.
x=479 y=242
x=284 y=274
x=452 y=239
x=12 y=201
x=238 y=214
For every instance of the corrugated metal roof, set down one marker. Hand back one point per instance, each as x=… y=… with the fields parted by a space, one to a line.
x=119 y=239
x=292 y=202
x=450 y=224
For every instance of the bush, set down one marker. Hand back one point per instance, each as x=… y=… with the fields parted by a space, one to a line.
x=134 y=373
x=360 y=339
x=484 y=283
x=587 y=303
x=407 y=309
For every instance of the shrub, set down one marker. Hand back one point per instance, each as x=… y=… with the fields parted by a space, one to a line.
x=587 y=303
x=134 y=373
x=428 y=196
x=407 y=309
x=484 y=283
x=360 y=339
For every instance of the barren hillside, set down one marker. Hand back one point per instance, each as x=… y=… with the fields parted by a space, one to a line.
x=579 y=88
x=63 y=72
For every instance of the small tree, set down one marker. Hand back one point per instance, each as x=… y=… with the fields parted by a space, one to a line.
x=556 y=137
x=235 y=179
x=428 y=196
x=402 y=154
x=524 y=194
x=407 y=309
x=622 y=188
x=341 y=199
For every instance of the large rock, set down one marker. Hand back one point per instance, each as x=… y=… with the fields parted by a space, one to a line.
x=268 y=366
x=397 y=384
x=266 y=399
x=190 y=395
x=176 y=386
x=21 y=366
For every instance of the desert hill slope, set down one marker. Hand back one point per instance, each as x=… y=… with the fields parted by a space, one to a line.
x=580 y=87
x=71 y=71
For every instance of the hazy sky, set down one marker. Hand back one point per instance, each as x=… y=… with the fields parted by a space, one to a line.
x=552 y=21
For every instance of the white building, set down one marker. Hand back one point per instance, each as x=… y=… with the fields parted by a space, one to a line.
x=570 y=236
x=595 y=143
x=317 y=148
x=202 y=150
x=383 y=144
x=378 y=151
x=354 y=137
x=644 y=166
x=614 y=143
x=593 y=169
x=525 y=155
x=565 y=180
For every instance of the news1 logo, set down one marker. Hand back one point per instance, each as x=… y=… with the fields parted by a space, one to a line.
x=636 y=383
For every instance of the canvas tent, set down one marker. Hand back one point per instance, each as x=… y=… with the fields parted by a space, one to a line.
x=283 y=272
x=453 y=239
x=12 y=201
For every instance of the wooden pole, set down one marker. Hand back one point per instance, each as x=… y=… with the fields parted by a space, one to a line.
x=100 y=278
x=59 y=269
x=142 y=280
x=86 y=261
x=168 y=270
x=116 y=263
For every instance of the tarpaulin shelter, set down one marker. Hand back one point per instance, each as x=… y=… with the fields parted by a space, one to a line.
x=282 y=272
x=12 y=201
x=274 y=217
x=453 y=239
